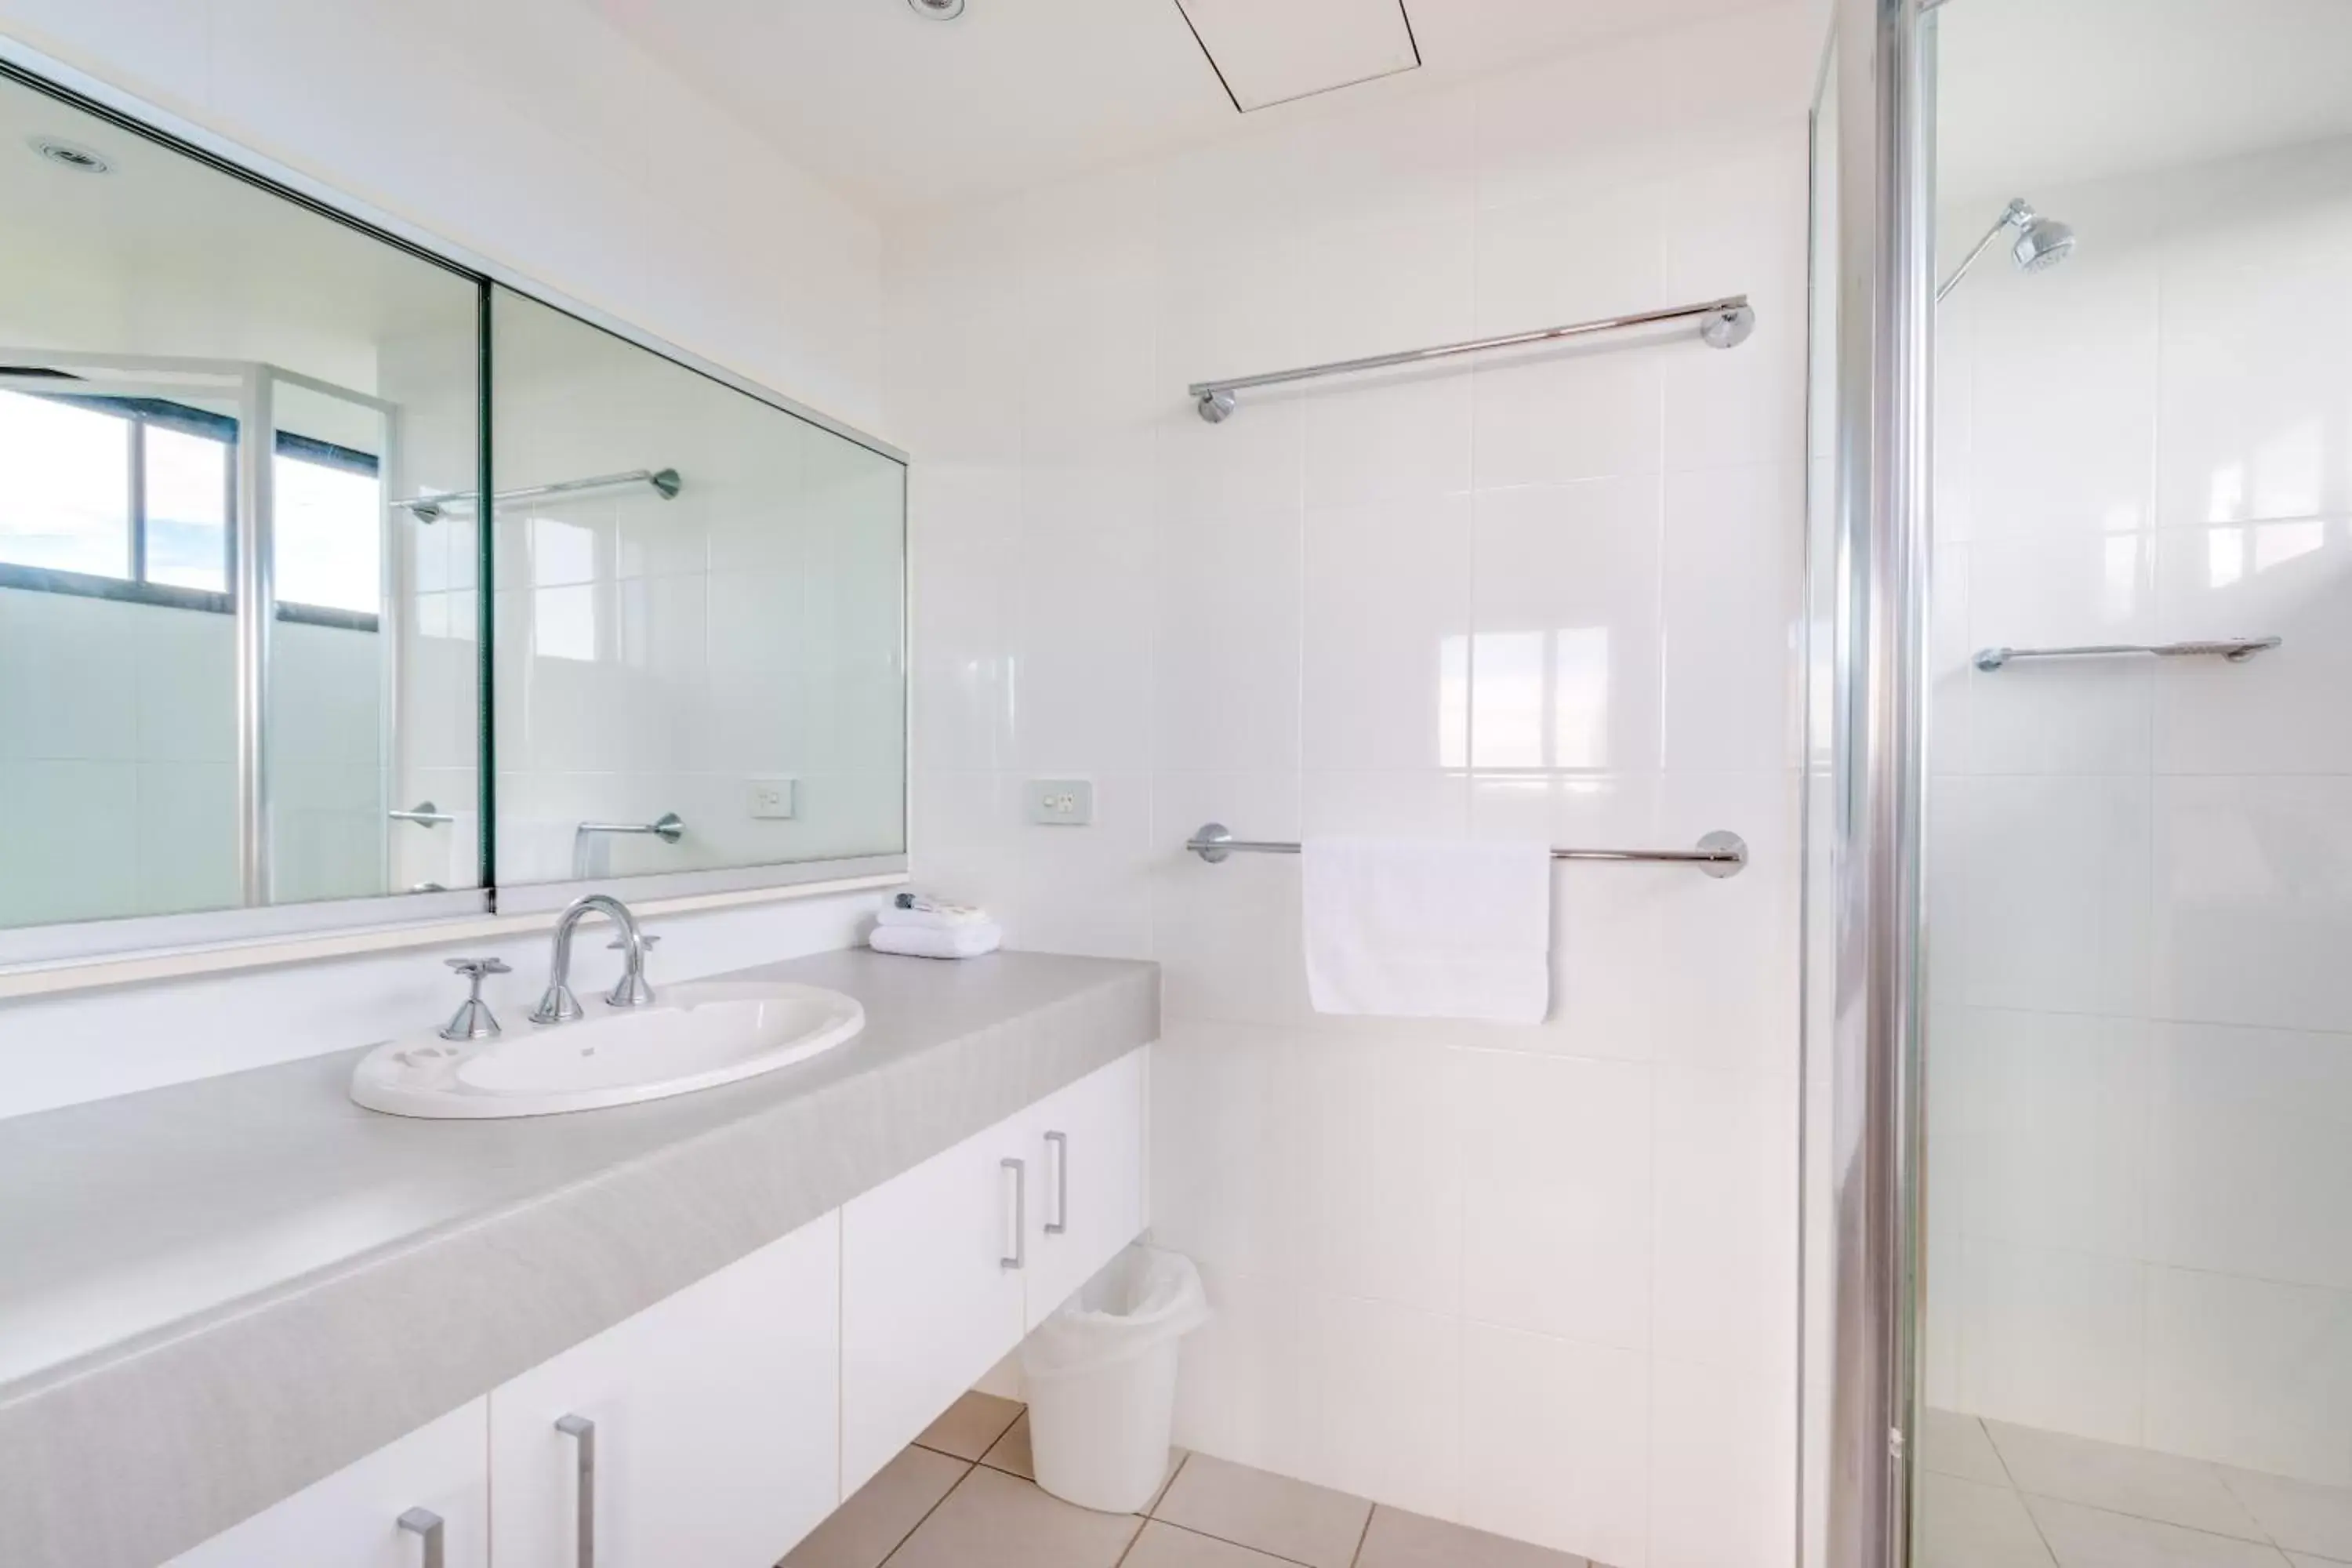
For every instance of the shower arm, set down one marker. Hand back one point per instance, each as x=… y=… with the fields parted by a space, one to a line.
x=2009 y=216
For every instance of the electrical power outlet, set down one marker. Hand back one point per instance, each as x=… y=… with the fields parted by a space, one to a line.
x=1060 y=803
x=772 y=800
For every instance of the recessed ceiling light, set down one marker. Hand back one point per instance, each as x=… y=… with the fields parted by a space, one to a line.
x=69 y=155
x=938 y=10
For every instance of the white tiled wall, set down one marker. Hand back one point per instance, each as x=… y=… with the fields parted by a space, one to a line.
x=1540 y=1280
x=2141 y=1035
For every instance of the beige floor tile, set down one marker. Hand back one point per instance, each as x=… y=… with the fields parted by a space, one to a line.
x=971 y=1424
x=995 y=1521
x=2082 y=1537
x=2136 y=1481
x=1165 y=1546
x=883 y=1512
x=2305 y=1560
x=1308 y=1525
x=1968 y=1524
x=1399 y=1540
x=1010 y=1452
x=1176 y=1457
x=1951 y=1444
x=1013 y=1455
x=2299 y=1515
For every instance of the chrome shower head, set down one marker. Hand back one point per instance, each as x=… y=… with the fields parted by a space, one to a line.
x=2041 y=243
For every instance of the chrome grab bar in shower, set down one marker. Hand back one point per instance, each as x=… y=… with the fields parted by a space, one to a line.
x=433 y=507
x=1724 y=323
x=2237 y=650
x=1717 y=854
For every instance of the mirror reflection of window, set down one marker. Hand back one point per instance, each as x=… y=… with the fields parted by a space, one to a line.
x=159 y=321
x=67 y=504
x=328 y=531
x=186 y=509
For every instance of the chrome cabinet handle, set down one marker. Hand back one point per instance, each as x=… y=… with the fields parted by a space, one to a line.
x=584 y=1431
x=424 y=1523
x=1060 y=1224
x=1019 y=1256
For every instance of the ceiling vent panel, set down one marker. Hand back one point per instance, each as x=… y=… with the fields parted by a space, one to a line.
x=1271 y=51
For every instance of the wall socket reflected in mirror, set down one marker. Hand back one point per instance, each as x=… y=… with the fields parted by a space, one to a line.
x=771 y=800
x=1060 y=803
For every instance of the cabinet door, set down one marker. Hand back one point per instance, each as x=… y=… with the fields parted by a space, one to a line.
x=711 y=1419
x=932 y=1265
x=352 y=1518
x=1086 y=1198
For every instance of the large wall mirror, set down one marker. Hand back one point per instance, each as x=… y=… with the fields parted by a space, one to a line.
x=255 y=611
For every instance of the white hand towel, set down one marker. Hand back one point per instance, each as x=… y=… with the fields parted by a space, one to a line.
x=967 y=941
x=944 y=917
x=1428 y=929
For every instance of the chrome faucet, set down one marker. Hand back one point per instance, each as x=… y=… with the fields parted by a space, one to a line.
x=559 y=1005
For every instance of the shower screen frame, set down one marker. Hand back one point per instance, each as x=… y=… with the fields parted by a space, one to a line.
x=1884 y=62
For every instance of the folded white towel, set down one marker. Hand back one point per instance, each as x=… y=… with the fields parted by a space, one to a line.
x=967 y=941
x=1428 y=929
x=932 y=917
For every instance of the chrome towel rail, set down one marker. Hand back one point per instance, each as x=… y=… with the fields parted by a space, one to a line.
x=1723 y=323
x=670 y=827
x=2237 y=650
x=1717 y=854
x=433 y=507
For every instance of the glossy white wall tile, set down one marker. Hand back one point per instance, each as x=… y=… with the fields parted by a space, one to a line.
x=1548 y=596
x=2138 y=879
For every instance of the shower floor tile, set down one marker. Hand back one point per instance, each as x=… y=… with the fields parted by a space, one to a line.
x=1993 y=1495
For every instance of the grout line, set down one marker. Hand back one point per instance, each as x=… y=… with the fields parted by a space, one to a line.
x=2015 y=1490
x=2221 y=1474
x=1228 y=1541
x=1152 y=1511
x=901 y=1546
x=1364 y=1535
x=2144 y=1519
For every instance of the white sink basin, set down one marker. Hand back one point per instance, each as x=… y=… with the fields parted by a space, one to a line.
x=696 y=1036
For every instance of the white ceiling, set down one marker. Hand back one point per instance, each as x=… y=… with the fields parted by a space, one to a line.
x=1271 y=54
x=2036 y=93
x=895 y=111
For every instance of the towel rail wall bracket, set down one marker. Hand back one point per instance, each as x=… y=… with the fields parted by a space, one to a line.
x=1717 y=854
x=1723 y=323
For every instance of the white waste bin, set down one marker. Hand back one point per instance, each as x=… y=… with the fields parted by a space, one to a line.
x=1100 y=1374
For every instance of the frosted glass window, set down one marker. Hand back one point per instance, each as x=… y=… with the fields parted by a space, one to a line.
x=66 y=502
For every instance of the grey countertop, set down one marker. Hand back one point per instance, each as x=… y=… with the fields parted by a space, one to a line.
x=213 y=1294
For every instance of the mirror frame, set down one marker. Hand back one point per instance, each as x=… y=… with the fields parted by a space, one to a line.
x=399 y=920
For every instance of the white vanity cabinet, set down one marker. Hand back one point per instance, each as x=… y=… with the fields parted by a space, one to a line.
x=930 y=1293
x=423 y=1502
x=945 y=1268
x=700 y=1431
x=1086 y=1202
x=720 y=1425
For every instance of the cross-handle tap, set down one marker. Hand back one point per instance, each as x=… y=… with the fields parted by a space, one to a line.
x=632 y=989
x=558 y=1006
x=472 y=1021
